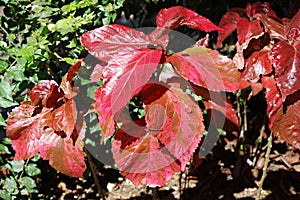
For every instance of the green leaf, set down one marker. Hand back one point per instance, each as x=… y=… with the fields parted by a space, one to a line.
x=5 y=195
x=70 y=61
x=91 y=91
x=28 y=183
x=6 y=103
x=15 y=73
x=36 y=158
x=21 y=61
x=3 y=65
x=5 y=90
x=4 y=149
x=2 y=121
x=17 y=166
x=6 y=141
x=10 y=185
x=32 y=170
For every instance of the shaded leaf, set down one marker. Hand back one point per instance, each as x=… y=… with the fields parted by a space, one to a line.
x=223 y=116
x=292 y=29
x=172 y=18
x=286 y=125
x=247 y=29
x=46 y=92
x=152 y=92
x=32 y=170
x=228 y=23
x=260 y=8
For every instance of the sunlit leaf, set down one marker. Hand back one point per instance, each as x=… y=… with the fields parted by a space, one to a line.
x=173 y=130
x=172 y=18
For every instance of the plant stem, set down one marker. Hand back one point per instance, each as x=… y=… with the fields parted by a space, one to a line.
x=94 y=173
x=155 y=194
x=266 y=163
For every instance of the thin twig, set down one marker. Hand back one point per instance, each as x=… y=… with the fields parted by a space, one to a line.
x=94 y=173
x=266 y=163
x=155 y=194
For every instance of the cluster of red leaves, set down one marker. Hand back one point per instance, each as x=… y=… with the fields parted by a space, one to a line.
x=46 y=125
x=149 y=150
x=268 y=54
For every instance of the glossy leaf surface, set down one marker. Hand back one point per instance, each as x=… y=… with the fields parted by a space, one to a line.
x=172 y=18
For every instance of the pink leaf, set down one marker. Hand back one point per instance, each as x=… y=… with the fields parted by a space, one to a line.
x=286 y=125
x=286 y=61
x=63 y=155
x=172 y=18
x=159 y=150
x=24 y=130
x=204 y=67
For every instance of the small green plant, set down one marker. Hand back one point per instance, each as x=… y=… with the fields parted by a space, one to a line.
x=18 y=178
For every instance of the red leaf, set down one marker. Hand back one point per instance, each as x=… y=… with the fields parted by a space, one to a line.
x=228 y=24
x=286 y=125
x=274 y=100
x=255 y=89
x=286 y=61
x=72 y=71
x=292 y=29
x=204 y=67
x=223 y=116
x=24 y=130
x=63 y=118
x=247 y=29
x=48 y=129
x=97 y=73
x=160 y=150
x=62 y=154
x=152 y=92
x=276 y=29
x=66 y=84
x=117 y=45
x=259 y=63
x=46 y=92
x=172 y=18
x=260 y=8
x=116 y=93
